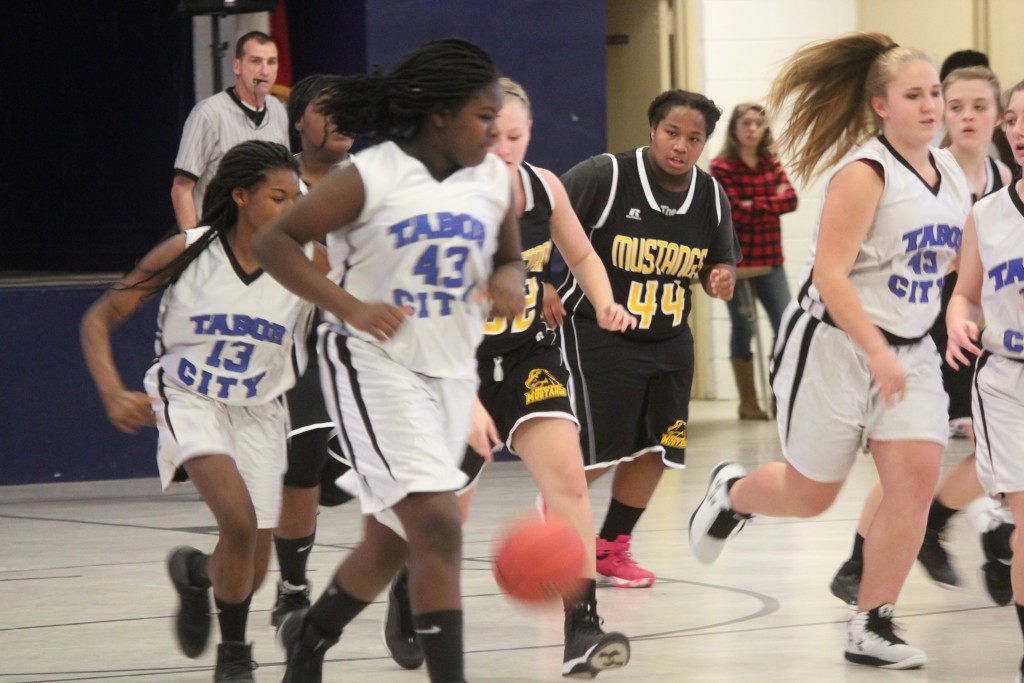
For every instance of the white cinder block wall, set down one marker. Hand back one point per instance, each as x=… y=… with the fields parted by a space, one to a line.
x=742 y=45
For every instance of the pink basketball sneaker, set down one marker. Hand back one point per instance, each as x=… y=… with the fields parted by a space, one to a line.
x=615 y=563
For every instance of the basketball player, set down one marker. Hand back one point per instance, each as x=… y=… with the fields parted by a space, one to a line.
x=221 y=121
x=656 y=221
x=972 y=112
x=312 y=472
x=427 y=231
x=991 y=284
x=523 y=400
x=889 y=227
x=223 y=362
x=321 y=146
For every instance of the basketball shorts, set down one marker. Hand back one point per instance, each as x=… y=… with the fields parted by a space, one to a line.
x=310 y=430
x=335 y=467
x=531 y=381
x=191 y=425
x=829 y=405
x=999 y=423
x=630 y=397
x=957 y=383
x=402 y=432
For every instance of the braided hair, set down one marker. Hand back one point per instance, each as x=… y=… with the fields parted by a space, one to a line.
x=307 y=90
x=244 y=166
x=394 y=105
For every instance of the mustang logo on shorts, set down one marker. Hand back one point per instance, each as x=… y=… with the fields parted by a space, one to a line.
x=542 y=386
x=675 y=436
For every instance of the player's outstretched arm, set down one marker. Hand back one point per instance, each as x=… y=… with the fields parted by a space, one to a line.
x=582 y=260
x=127 y=410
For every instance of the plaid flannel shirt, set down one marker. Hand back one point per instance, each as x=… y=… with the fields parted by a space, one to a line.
x=757 y=226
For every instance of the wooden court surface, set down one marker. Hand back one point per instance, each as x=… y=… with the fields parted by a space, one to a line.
x=84 y=595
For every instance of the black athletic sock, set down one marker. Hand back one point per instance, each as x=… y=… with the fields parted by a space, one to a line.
x=292 y=556
x=1020 y=617
x=334 y=610
x=232 y=618
x=620 y=520
x=939 y=515
x=857 y=555
x=440 y=634
x=587 y=597
x=197 y=570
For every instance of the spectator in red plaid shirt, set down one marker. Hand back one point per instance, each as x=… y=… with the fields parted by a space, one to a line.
x=759 y=192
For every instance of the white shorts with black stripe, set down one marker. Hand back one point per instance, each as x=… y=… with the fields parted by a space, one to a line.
x=998 y=405
x=255 y=437
x=403 y=432
x=829 y=405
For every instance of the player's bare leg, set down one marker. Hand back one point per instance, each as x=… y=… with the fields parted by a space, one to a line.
x=549 y=447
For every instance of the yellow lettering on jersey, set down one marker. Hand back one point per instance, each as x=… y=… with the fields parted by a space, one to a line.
x=673 y=302
x=541 y=385
x=681 y=261
x=664 y=251
x=648 y=247
x=660 y=257
x=524 y=320
x=692 y=266
x=621 y=248
x=675 y=436
x=537 y=257
x=643 y=302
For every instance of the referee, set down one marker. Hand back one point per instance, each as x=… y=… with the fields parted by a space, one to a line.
x=221 y=121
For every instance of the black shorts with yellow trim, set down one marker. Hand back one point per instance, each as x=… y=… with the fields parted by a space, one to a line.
x=531 y=380
x=631 y=397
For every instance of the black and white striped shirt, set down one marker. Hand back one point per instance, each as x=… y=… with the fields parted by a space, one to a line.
x=214 y=126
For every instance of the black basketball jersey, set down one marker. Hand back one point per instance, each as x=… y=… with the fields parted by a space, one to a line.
x=501 y=335
x=652 y=242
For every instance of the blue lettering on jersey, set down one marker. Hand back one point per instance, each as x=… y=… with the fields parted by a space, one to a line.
x=238 y=325
x=1007 y=273
x=914 y=291
x=922 y=243
x=435 y=226
x=203 y=381
x=1013 y=340
x=425 y=304
x=940 y=235
x=440 y=267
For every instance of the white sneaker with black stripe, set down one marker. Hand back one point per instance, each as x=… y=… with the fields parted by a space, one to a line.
x=871 y=639
x=714 y=520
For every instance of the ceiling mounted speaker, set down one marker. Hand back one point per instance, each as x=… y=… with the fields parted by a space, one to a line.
x=199 y=7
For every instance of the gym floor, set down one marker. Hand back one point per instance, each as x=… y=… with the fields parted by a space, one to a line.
x=85 y=596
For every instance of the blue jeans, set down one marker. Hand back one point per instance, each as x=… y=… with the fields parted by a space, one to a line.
x=773 y=292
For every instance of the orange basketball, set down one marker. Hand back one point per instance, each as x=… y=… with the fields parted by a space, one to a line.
x=537 y=560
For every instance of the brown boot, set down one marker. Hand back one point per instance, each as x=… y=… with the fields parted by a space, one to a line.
x=744 y=371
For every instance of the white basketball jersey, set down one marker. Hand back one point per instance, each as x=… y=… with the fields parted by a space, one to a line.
x=428 y=245
x=228 y=335
x=999 y=220
x=916 y=232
